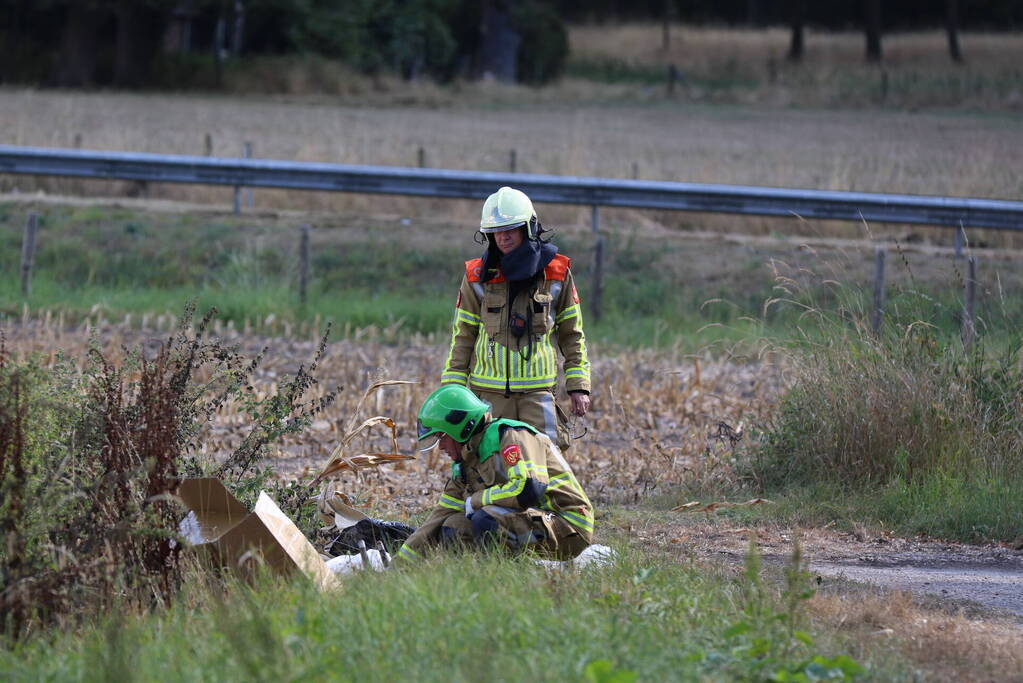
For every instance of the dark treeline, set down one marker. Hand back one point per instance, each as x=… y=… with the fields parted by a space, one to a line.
x=188 y=43
x=129 y=43
x=897 y=15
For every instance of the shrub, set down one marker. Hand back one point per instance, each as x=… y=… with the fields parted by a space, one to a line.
x=90 y=458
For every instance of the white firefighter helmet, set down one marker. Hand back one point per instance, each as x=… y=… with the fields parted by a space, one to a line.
x=506 y=209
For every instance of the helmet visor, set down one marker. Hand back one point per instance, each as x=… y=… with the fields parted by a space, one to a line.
x=427 y=437
x=501 y=228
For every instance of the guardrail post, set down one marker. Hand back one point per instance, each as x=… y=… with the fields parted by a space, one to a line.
x=878 y=315
x=512 y=160
x=247 y=152
x=421 y=158
x=597 y=307
x=969 y=331
x=208 y=145
x=28 y=252
x=960 y=240
x=303 y=265
x=237 y=199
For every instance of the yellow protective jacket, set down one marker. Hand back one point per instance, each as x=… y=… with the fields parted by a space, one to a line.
x=495 y=468
x=485 y=354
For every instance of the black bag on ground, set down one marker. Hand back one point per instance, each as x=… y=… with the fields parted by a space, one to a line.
x=391 y=534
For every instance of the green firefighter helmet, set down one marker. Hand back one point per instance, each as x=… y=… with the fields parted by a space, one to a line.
x=453 y=410
x=506 y=209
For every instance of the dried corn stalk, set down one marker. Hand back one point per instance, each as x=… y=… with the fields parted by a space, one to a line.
x=340 y=462
x=694 y=506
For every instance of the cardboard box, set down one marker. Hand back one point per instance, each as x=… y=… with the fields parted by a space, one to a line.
x=220 y=525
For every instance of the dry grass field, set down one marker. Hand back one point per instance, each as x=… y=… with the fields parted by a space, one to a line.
x=659 y=419
x=868 y=150
x=750 y=66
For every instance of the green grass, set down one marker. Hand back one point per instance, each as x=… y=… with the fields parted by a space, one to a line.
x=951 y=505
x=658 y=291
x=465 y=618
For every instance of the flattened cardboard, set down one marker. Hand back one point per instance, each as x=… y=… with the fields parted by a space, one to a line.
x=218 y=521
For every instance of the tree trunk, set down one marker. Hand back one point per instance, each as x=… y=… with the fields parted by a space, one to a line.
x=239 y=28
x=218 y=46
x=952 y=28
x=666 y=26
x=76 y=66
x=128 y=62
x=798 y=11
x=177 y=36
x=500 y=52
x=872 y=24
x=754 y=13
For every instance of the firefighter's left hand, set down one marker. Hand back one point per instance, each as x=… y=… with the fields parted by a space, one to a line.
x=580 y=403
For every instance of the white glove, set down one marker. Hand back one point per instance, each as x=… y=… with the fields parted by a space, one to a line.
x=468 y=507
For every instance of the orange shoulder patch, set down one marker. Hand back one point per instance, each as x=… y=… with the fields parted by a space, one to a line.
x=474 y=269
x=558 y=267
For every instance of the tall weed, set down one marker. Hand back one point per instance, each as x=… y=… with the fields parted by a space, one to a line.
x=89 y=461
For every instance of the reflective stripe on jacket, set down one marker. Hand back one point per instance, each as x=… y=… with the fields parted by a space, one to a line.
x=485 y=354
x=517 y=454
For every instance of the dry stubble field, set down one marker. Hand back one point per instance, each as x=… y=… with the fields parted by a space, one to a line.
x=658 y=418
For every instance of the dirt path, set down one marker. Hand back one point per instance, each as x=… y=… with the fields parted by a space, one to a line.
x=982 y=580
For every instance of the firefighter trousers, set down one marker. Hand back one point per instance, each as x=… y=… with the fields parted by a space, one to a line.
x=536 y=408
x=515 y=530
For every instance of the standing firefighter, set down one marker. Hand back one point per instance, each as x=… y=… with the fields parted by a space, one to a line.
x=510 y=486
x=516 y=307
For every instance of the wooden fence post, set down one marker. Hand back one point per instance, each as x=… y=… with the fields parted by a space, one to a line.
x=28 y=252
x=597 y=306
x=303 y=267
x=969 y=331
x=878 y=314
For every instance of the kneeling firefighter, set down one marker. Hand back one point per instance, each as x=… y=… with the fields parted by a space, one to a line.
x=517 y=307
x=510 y=486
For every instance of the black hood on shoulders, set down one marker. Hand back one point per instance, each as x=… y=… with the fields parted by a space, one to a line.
x=530 y=258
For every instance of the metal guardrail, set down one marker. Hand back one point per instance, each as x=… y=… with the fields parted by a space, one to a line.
x=735 y=199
